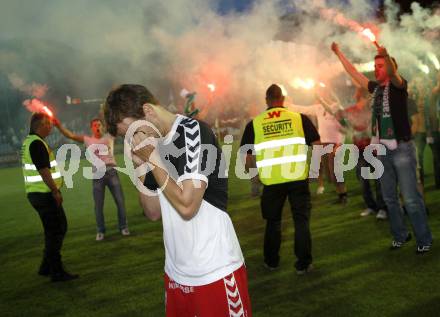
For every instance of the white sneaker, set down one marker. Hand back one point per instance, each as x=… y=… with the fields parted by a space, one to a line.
x=367 y=212
x=125 y=232
x=381 y=214
x=320 y=190
x=99 y=236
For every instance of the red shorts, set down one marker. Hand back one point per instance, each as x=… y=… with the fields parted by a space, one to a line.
x=226 y=297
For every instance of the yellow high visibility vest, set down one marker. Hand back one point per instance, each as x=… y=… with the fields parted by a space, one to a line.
x=33 y=182
x=280 y=145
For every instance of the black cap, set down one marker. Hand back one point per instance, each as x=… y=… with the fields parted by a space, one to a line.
x=274 y=92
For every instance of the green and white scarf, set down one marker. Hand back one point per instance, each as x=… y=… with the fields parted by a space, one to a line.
x=382 y=115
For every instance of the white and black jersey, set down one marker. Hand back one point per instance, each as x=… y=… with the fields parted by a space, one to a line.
x=204 y=249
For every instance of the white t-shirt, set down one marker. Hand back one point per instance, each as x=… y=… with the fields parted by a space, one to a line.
x=106 y=140
x=329 y=128
x=205 y=248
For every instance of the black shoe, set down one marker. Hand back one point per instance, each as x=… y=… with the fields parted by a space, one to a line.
x=63 y=276
x=44 y=269
x=395 y=245
x=343 y=199
x=270 y=267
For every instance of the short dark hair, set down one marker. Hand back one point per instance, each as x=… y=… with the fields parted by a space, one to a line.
x=36 y=120
x=274 y=92
x=94 y=120
x=126 y=101
x=392 y=59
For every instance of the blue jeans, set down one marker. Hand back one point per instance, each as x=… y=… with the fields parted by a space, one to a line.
x=400 y=170
x=420 y=143
x=111 y=180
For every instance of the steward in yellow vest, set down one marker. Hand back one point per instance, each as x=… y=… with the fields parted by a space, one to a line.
x=280 y=146
x=43 y=181
x=33 y=181
x=279 y=139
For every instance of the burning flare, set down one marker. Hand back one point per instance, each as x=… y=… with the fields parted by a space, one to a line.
x=211 y=87
x=299 y=83
x=338 y=18
x=36 y=105
x=48 y=111
x=370 y=35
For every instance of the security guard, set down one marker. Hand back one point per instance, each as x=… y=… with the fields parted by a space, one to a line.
x=43 y=181
x=279 y=139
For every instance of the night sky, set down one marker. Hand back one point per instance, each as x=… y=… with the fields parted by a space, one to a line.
x=227 y=6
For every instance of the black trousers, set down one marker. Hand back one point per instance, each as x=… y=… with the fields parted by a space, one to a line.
x=272 y=202
x=435 y=147
x=54 y=223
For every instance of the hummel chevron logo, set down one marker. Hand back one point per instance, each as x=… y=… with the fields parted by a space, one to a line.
x=192 y=139
x=192 y=158
x=191 y=125
x=192 y=170
x=192 y=135
x=186 y=121
x=237 y=314
x=232 y=294
x=234 y=305
x=230 y=282
x=193 y=143
x=234 y=300
x=193 y=164
x=193 y=149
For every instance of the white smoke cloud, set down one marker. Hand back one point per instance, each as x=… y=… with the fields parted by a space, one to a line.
x=407 y=39
x=170 y=45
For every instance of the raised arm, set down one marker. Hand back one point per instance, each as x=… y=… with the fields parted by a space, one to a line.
x=391 y=67
x=360 y=78
x=67 y=133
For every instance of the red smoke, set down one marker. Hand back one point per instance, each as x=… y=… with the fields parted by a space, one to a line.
x=36 y=105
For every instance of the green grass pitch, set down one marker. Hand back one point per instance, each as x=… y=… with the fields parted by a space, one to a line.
x=356 y=274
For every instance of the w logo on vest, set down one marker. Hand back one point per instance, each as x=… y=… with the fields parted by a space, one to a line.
x=273 y=114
